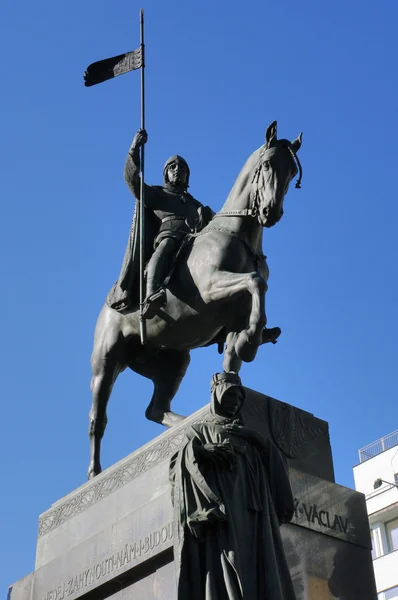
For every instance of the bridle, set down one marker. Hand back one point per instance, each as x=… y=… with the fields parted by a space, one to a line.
x=254 y=209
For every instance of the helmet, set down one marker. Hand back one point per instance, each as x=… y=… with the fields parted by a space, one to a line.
x=175 y=159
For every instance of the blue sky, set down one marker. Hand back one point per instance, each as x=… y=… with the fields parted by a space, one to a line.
x=217 y=75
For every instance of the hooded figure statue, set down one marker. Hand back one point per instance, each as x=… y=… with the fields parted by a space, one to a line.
x=230 y=492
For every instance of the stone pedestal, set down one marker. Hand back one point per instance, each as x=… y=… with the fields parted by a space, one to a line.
x=113 y=536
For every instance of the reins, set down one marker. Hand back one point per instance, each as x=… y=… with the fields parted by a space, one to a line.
x=245 y=212
x=296 y=158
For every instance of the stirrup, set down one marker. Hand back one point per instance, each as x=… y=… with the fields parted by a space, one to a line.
x=153 y=302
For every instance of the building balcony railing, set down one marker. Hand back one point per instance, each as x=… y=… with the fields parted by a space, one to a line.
x=384 y=443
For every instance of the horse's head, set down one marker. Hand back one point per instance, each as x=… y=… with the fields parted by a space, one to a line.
x=278 y=164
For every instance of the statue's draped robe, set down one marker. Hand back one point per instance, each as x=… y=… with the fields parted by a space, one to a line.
x=160 y=203
x=227 y=538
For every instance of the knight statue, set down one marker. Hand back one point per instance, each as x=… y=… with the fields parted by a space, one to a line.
x=171 y=214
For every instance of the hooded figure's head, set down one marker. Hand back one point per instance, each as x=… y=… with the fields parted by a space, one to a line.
x=176 y=172
x=227 y=395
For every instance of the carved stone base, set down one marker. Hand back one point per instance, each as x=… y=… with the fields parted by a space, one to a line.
x=113 y=536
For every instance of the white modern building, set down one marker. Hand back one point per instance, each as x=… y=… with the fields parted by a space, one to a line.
x=376 y=476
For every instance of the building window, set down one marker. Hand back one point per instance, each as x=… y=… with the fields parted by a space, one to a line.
x=392 y=534
x=391 y=594
x=372 y=539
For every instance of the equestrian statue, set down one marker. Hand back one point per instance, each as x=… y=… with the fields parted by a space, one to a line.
x=206 y=279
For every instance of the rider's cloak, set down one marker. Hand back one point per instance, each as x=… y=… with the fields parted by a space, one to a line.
x=228 y=544
x=125 y=292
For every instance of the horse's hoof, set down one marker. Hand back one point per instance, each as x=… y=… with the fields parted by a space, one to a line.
x=270 y=335
x=93 y=471
x=168 y=419
x=171 y=418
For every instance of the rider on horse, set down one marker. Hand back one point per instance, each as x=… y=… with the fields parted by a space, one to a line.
x=171 y=214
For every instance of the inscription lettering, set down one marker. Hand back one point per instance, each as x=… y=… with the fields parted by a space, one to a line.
x=336 y=523
x=308 y=512
x=324 y=513
x=323 y=518
x=126 y=555
x=344 y=524
x=315 y=514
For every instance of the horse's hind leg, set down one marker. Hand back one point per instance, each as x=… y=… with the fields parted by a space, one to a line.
x=104 y=376
x=106 y=366
x=166 y=369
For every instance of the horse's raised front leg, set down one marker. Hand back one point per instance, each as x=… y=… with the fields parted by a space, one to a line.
x=232 y=362
x=222 y=285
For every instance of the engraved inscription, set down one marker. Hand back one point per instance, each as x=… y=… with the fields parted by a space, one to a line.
x=309 y=514
x=126 y=555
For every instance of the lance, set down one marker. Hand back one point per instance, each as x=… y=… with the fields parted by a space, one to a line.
x=109 y=68
x=142 y=189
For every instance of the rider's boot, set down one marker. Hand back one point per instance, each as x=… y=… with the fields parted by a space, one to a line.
x=157 y=272
x=153 y=302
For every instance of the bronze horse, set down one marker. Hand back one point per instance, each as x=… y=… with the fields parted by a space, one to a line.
x=216 y=294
